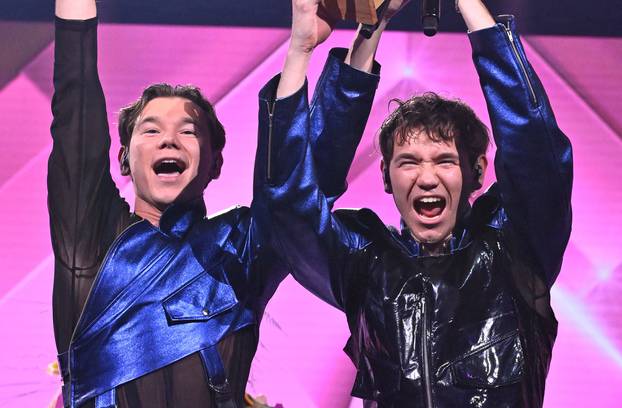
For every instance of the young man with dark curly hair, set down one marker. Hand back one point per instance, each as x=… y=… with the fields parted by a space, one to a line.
x=453 y=309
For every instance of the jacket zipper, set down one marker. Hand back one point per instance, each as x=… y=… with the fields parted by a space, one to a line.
x=510 y=36
x=270 y=116
x=426 y=353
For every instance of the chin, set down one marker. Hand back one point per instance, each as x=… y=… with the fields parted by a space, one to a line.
x=164 y=201
x=428 y=238
x=431 y=236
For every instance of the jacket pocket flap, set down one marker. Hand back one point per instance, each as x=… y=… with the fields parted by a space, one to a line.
x=496 y=364
x=200 y=299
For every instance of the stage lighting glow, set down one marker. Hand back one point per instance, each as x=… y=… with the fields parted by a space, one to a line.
x=573 y=309
x=587 y=359
x=408 y=72
x=604 y=273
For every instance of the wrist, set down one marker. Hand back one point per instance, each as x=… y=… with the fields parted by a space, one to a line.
x=300 y=46
x=376 y=34
x=383 y=24
x=299 y=52
x=475 y=15
x=462 y=4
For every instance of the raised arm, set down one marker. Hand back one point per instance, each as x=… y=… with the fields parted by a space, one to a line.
x=533 y=161
x=309 y=151
x=340 y=107
x=82 y=198
x=288 y=202
x=76 y=9
x=344 y=94
x=311 y=26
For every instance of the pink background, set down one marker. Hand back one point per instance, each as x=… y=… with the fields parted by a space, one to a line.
x=299 y=361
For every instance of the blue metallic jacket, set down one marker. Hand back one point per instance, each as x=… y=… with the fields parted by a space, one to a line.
x=163 y=293
x=472 y=326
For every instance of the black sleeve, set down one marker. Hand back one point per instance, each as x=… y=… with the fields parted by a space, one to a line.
x=533 y=161
x=84 y=205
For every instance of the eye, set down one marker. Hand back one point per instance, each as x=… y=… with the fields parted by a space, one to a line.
x=151 y=131
x=406 y=163
x=188 y=132
x=448 y=162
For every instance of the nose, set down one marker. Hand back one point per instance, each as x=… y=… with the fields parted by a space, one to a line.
x=168 y=140
x=427 y=178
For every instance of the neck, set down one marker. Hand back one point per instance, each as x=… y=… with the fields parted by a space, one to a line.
x=435 y=248
x=147 y=211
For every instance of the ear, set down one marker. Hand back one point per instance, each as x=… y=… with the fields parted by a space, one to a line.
x=386 y=177
x=481 y=164
x=216 y=166
x=124 y=161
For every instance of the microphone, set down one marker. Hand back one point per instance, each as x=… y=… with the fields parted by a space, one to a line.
x=430 y=16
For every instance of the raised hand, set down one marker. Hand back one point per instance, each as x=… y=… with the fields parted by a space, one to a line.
x=311 y=25
x=393 y=8
x=362 y=52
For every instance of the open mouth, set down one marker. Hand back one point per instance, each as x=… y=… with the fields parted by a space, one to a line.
x=429 y=207
x=169 y=167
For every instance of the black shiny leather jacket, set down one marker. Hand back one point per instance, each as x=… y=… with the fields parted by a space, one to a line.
x=472 y=327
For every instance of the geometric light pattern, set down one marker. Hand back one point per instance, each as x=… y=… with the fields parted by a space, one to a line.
x=299 y=361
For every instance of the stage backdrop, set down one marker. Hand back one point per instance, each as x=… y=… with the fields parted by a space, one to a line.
x=299 y=361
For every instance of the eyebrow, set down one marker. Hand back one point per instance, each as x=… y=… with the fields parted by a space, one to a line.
x=406 y=156
x=448 y=155
x=189 y=120
x=148 y=119
x=155 y=120
x=445 y=155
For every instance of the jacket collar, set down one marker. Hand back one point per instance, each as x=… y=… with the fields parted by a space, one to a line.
x=178 y=218
x=460 y=238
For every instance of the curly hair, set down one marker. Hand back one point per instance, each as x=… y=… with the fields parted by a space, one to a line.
x=442 y=120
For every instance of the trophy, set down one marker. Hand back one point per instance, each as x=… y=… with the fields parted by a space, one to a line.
x=369 y=13
x=366 y=12
x=361 y=11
